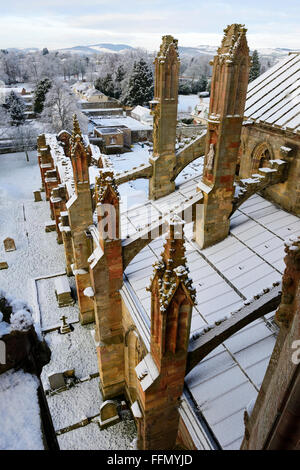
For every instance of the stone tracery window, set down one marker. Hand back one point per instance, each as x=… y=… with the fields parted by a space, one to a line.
x=261 y=155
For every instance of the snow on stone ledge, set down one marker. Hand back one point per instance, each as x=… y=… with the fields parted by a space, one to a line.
x=88 y=292
x=136 y=410
x=19 y=412
x=147 y=372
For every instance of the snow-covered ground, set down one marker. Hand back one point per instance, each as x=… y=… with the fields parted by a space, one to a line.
x=49 y=306
x=136 y=192
x=119 y=437
x=187 y=103
x=190 y=171
x=20 y=422
x=37 y=257
x=29 y=87
x=88 y=397
x=75 y=350
x=126 y=161
x=37 y=253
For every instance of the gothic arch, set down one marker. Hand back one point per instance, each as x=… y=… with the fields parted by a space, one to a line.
x=261 y=155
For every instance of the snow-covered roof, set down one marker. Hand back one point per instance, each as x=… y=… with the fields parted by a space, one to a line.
x=108 y=130
x=251 y=258
x=274 y=97
x=141 y=111
x=114 y=121
x=93 y=92
x=81 y=86
x=224 y=275
x=186 y=103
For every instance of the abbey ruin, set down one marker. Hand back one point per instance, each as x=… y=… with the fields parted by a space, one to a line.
x=183 y=289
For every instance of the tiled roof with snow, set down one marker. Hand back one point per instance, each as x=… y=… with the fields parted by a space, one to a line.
x=93 y=92
x=81 y=86
x=250 y=259
x=274 y=97
x=141 y=111
x=115 y=121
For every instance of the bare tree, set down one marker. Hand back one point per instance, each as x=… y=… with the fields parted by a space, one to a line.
x=9 y=66
x=59 y=107
x=24 y=138
x=38 y=66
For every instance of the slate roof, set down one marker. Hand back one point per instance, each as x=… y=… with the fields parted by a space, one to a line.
x=274 y=97
x=224 y=275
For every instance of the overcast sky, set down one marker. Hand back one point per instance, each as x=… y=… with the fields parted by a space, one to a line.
x=66 y=23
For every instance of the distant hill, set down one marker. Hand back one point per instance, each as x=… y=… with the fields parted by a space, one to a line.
x=205 y=50
x=202 y=50
x=192 y=51
x=27 y=49
x=275 y=53
x=96 y=48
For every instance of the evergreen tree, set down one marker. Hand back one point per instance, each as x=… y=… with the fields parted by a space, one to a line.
x=120 y=74
x=255 y=67
x=119 y=77
x=45 y=51
x=203 y=83
x=105 y=85
x=184 y=88
x=16 y=108
x=40 y=91
x=140 y=85
x=199 y=85
x=108 y=85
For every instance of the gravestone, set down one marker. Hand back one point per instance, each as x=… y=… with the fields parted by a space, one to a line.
x=50 y=226
x=9 y=244
x=108 y=414
x=63 y=292
x=3 y=265
x=37 y=196
x=56 y=380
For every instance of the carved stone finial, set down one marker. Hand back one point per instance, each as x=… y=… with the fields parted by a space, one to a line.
x=234 y=41
x=171 y=270
x=76 y=127
x=105 y=179
x=167 y=41
x=77 y=145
